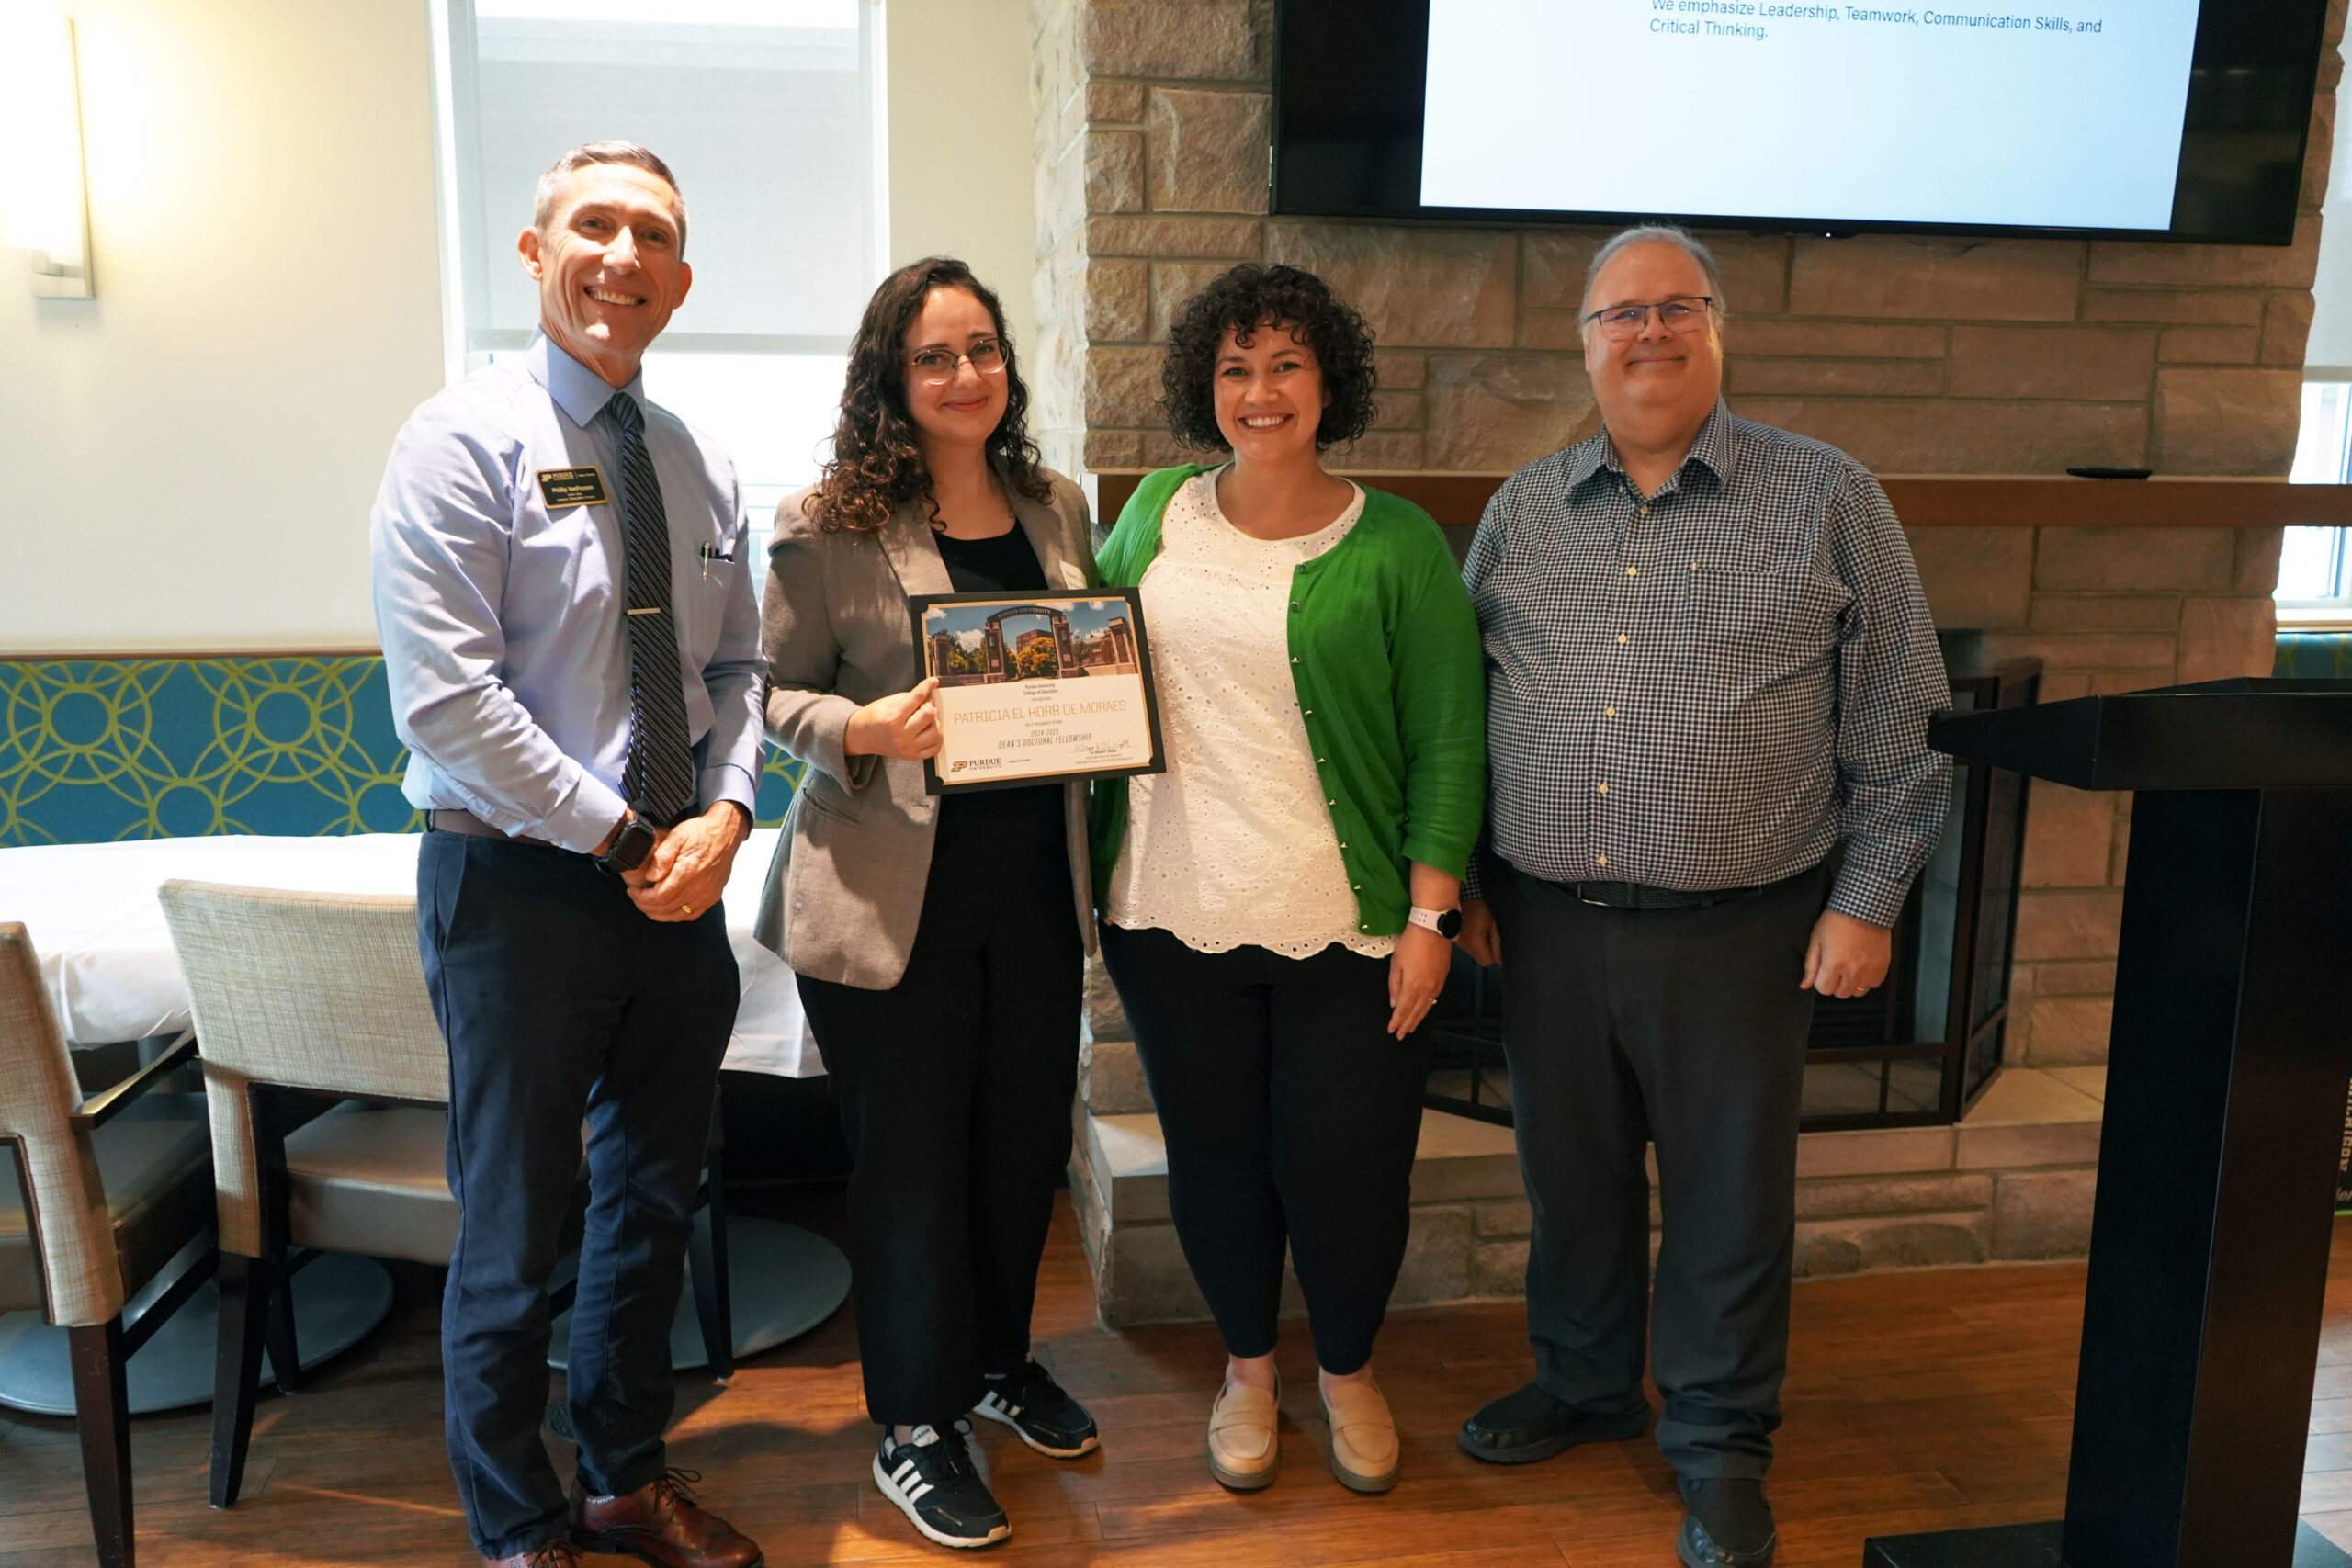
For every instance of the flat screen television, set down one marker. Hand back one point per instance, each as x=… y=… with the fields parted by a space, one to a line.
x=2147 y=120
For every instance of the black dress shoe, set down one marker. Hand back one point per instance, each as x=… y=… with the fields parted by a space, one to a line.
x=1523 y=1427
x=1729 y=1524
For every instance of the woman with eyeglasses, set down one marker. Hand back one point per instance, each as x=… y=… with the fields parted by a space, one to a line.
x=938 y=941
x=1278 y=906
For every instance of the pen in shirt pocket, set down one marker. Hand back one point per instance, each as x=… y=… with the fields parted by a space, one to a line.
x=710 y=553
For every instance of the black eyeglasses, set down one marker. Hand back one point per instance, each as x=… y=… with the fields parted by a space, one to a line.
x=937 y=366
x=1684 y=314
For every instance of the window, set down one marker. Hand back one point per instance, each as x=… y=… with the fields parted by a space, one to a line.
x=2315 y=586
x=767 y=110
x=2313 y=592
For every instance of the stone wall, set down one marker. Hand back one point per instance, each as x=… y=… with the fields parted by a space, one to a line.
x=1917 y=355
x=2105 y=610
x=2013 y=1181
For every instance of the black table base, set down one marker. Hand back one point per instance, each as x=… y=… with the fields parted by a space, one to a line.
x=2223 y=1123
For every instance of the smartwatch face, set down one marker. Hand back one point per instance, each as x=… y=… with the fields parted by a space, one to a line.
x=630 y=848
x=1449 y=925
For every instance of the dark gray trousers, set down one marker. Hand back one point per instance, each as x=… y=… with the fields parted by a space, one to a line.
x=1684 y=1028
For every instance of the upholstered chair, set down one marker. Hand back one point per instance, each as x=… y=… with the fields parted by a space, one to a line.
x=100 y=1195
x=321 y=992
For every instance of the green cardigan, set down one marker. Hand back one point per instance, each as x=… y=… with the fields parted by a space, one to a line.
x=1391 y=682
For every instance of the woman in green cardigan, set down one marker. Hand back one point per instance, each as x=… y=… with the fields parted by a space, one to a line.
x=1279 y=905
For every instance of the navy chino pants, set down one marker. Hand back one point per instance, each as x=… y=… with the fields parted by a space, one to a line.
x=561 y=1003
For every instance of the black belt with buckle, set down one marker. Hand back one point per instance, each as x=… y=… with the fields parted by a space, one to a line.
x=1638 y=896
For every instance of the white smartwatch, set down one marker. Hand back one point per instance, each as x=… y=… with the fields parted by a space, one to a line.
x=1447 y=923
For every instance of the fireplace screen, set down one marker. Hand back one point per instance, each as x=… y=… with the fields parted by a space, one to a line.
x=1917 y=1050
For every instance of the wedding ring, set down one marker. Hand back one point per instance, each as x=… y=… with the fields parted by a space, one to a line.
x=687 y=910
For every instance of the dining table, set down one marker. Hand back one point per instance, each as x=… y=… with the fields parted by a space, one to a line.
x=108 y=963
x=112 y=976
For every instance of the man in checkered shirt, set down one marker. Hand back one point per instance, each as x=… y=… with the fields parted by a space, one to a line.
x=1710 y=669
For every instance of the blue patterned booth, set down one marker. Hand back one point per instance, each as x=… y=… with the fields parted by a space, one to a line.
x=96 y=750
x=2314 y=656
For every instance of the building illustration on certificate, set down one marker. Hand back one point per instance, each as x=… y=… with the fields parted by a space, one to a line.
x=978 y=645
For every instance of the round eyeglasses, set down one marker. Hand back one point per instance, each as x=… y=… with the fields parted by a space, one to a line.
x=1685 y=313
x=937 y=367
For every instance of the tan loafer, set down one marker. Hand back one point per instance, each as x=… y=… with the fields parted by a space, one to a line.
x=1243 y=1454
x=1364 y=1452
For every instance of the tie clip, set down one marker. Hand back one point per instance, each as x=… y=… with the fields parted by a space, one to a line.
x=648 y=610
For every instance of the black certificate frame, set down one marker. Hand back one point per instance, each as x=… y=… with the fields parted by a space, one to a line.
x=919 y=607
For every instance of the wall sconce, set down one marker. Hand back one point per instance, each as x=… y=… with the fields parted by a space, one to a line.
x=44 y=205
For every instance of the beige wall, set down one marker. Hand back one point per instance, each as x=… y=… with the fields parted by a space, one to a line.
x=187 y=461
x=959 y=142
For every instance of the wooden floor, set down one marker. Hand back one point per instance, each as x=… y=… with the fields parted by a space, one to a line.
x=1915 y=1401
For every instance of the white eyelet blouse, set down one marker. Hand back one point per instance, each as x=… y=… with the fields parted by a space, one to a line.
x=1232 y=846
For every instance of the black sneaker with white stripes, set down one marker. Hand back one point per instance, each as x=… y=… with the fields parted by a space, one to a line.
x=932 y=1480
x=1034 y=1405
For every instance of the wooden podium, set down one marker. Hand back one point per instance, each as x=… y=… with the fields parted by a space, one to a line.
x=2225 y=1094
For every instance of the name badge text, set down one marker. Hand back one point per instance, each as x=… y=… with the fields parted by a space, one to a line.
x=560 y=487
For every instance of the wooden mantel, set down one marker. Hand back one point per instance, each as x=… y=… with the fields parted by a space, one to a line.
x=1933 y=501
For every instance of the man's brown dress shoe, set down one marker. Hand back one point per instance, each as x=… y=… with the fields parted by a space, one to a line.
x=554 y=1555
x=659 y=1524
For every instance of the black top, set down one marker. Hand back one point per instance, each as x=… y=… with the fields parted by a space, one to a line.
x=1002 y=563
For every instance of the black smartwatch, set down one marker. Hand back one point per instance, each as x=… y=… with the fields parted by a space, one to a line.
x=1447 y=923
x=630 y=845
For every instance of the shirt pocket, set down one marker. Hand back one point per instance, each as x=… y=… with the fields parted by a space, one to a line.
x=710 y=581
x=1748 y=626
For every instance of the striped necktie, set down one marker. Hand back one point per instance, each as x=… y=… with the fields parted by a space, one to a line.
x=660 y=777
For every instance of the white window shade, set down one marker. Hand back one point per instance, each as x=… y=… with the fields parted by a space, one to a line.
x=768 y=128
x=2327 y=354
x=766 y=112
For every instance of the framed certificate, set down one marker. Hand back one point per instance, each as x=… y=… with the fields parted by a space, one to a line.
x=1039 y=688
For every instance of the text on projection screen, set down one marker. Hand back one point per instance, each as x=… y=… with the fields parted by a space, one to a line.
x=1788 y=109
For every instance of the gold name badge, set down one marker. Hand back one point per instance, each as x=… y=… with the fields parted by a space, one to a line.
x=571 y=487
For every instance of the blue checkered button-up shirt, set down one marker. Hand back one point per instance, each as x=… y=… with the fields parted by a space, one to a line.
x=1712 y=687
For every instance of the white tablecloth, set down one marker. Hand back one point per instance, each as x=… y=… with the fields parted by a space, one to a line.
x=107 y=958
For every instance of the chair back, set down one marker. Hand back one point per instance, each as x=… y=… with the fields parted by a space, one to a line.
x=313 y=990
x=65 y=1202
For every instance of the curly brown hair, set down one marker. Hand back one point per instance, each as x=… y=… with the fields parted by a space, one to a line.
x=1242 y=299
x=878 y=463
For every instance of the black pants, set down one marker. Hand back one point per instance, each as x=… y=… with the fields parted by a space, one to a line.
x=560 y=1001
x=1685 y=1028
x=954 y=1088
x=1290 y=1117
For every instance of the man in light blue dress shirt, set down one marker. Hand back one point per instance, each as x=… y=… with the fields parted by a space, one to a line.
x=572 y=650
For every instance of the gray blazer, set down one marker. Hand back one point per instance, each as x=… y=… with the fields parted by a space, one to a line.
x=844 y=892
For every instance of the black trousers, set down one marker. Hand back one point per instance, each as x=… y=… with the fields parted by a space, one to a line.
x=560 y=1001
x=1290 y=1117
x=1684 y=1028
x=954 y=1088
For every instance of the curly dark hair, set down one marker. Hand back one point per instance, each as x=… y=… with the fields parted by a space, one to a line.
x=878 y=461
x=1241 y=300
